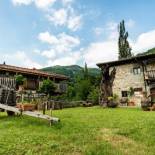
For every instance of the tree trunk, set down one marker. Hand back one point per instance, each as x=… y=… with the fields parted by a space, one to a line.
x=106 y=84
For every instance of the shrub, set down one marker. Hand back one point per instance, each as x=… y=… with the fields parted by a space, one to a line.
x=20 y=80
x=94 y=96
x=48 y=87
x=113 y=101
x=83 y=88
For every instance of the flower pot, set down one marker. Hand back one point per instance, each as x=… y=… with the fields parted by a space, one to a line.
x=26 y=107
x=131 y=103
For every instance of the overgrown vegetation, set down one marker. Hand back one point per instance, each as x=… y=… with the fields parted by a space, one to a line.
x=84 y=87
x=82 y=131
x=47 y=87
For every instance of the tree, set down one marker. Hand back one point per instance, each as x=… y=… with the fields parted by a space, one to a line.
x=106 y=84
x=94 y=95
x=83 y=88
x=86 y=71
x=71 y=93
x=19 y=80
x=48 y=87
x=123 y=44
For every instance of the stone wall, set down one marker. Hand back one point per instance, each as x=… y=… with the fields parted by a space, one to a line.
x=125 y=79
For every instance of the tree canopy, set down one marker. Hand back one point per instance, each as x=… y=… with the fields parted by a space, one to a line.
x=47 y=87
x=19 y=80
x=123 y=44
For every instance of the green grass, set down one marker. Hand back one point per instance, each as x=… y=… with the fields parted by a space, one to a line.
x=88 y=131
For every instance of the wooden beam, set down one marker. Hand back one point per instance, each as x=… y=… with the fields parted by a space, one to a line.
x=29 y=113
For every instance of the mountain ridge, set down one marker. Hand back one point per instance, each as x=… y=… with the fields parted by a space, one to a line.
x=72 y=70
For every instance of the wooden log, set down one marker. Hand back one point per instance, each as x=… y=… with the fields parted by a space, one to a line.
x=29 y=113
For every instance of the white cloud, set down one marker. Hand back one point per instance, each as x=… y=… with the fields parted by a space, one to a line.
x=108 y=50
x=61 y=51
x=62 y=16
x=68 y=40
x=47 y=38
x=69 y=59
x=20 y=58
x=144 y=42
x=65 y=17
x=44 y=4
x=74 y=23
x=50 y=54
x=60 y=43
x=22 y=2
x=58 y=17
x=100 y=52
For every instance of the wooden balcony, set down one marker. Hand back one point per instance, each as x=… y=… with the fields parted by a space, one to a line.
x=150 y=75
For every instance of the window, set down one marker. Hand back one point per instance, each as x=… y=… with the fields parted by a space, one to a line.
x=138 y=89
x=137 y=70
x=124 y=94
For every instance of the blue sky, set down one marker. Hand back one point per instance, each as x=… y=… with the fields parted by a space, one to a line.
x=39 y=33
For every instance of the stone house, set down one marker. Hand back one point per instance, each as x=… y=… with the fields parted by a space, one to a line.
x=136 y=73
x=34 y=77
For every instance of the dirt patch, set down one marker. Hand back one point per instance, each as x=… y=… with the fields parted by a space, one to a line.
x=126 y=145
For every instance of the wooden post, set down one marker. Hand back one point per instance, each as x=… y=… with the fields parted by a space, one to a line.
x=44 y=109
x=50 y=110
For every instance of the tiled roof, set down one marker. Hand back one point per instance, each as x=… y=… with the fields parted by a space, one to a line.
x=31 y=71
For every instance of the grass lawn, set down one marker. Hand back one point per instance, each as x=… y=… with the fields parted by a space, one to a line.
x=90 y=131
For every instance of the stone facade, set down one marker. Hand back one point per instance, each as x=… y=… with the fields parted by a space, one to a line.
x=126 y=78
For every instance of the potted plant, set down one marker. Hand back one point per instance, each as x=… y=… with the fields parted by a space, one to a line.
x=26 y=106
x=112 y=101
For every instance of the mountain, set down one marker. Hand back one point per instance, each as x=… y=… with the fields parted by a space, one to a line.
x=71 y=71
x=150 y=51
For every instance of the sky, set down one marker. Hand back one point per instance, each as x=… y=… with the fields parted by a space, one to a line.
x=41 y=33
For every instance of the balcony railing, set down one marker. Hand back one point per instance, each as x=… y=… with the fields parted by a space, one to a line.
x=150 y=75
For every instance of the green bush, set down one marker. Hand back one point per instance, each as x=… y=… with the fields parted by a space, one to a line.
x=48 y=87
x=20 y=80
x=83 y=88
x=94 y=95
